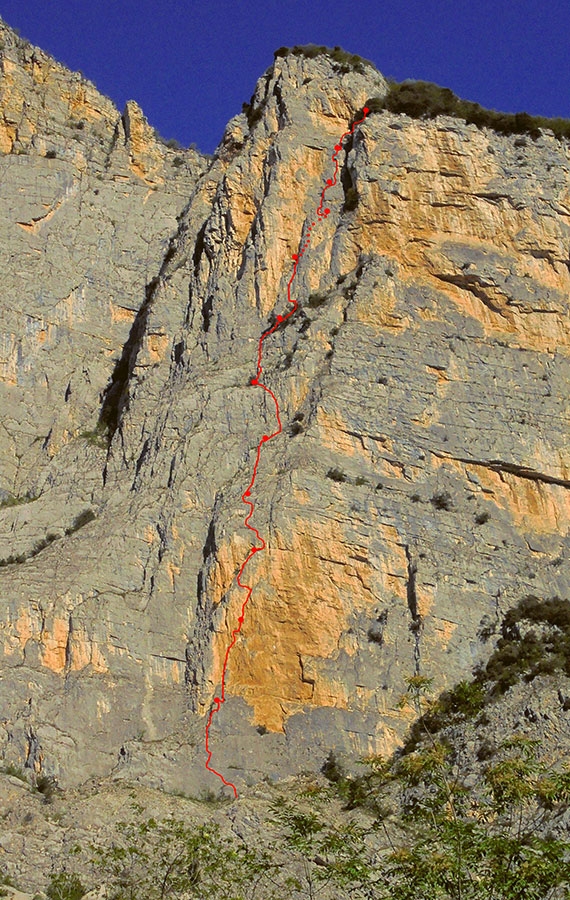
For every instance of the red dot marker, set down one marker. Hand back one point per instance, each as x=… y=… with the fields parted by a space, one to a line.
x=365 y=110
x=327 y=211
x=254 y=381
x=295 y=257
x=279 y=319
x=338 y=147
x=329 y=182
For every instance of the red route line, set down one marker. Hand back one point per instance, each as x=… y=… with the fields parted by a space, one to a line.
x=321 y=214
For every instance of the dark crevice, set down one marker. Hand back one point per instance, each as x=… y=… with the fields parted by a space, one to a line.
x=207 y=313
x=142 y=456
x=33 y=751
x=411 y=587
x=351 y=197
x=164 y=542
x=114 y=141
x=115 y=395
x=189 y=317
x=511 y=468
x=200 y=587
x=199 y=653
x=199 y=249
x=178 y=352
x=475 y=286
x=171 y=472
x=210 y=548
x=47 y=439
x=416 y=623
x=281 y=111
x=68 y=644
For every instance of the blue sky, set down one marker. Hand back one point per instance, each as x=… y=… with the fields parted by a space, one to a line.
x=190 y=64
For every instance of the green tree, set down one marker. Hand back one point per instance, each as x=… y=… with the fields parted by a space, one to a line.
x=65 y=886
x=152 y=860
x=321 y=853
x=479 y=842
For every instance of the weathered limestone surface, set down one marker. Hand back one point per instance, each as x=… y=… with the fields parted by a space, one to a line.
x=420 y=486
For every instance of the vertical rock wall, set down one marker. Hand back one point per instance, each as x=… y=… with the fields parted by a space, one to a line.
x=419 y=488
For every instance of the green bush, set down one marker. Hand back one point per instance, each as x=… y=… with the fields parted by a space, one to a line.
x=425 y=100
x=98 y=437
x=332 y=769
x=65 y=886
x=6 y=882
x=464 y=701
x=171 y=858
x=336 y=475
x=28 y=497
x=80 y=520
x=346 y=62
x=14 y=771
x=553 y=612
x=316 y=300
x=321 y=853
x=254 y=114
x=442 y=500
x=527 y=657
x=375 y=105
x=459 y=841
x=515 y=658
x=46 y=786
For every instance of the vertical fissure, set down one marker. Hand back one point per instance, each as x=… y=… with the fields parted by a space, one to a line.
x=412 y=598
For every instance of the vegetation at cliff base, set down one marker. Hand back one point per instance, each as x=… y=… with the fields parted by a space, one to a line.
x=425 y=100
x=414 y=826
x=534 y=640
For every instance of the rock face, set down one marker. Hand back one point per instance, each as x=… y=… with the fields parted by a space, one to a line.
x=420 y=486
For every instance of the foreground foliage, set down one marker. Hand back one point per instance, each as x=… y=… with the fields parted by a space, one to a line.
x=414 y=826
x=451 y=838
x=152 y=860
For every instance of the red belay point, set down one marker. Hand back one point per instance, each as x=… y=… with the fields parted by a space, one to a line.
x=321 y=214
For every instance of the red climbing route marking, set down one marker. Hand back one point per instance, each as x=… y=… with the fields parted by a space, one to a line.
x=321 y=214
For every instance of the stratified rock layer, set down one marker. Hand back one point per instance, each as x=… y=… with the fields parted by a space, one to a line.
x=420 y=485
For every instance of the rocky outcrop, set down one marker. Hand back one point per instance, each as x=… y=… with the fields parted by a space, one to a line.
x=419 y=488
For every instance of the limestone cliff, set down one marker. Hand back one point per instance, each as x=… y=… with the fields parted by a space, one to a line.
x=420 y=486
